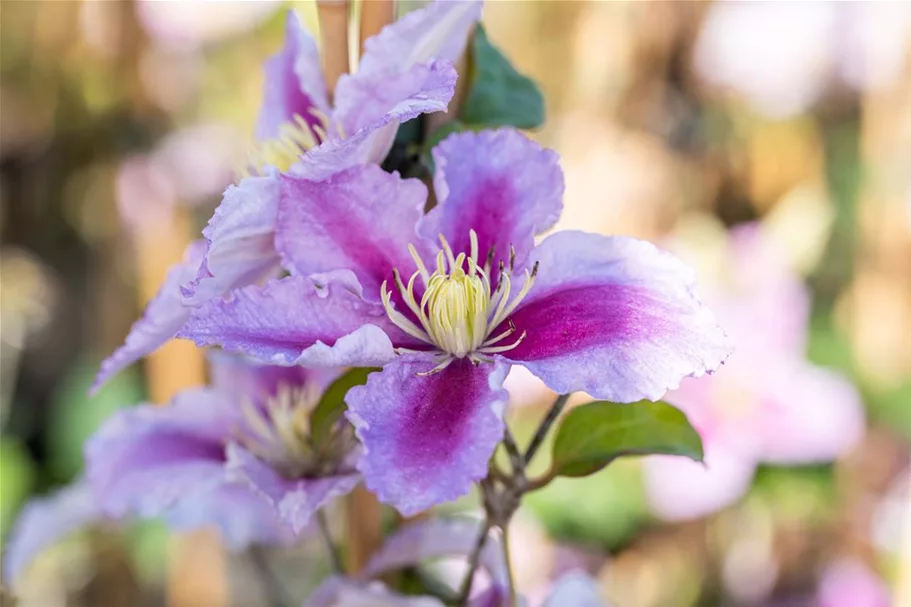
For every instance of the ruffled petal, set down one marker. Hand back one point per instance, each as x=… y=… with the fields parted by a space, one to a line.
x=337 y=591
x=45 y=521
x=376 y=103
x=362 y=219
x=680 y=489
x=294 y=500
x=500 y=184
x=160 y=321
x=809 y=415
x=294 y=82
x=144 y=459
x=240 y=516
x=290 y=322
x=427 y=438
x=439 y=31
x=614 y=317
x=241 y=241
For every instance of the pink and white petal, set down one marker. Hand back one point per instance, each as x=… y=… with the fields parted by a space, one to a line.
x=500 y=184
x=241 y=241
x=295 y=501
x=680 y=489
x=427 y=438
x=614 y=317
x=241 y=517
x=294 y=82
x=161 y=320
x=44 y=522
x=439 y=31
x=337 y=591
x=810 y=415
x=361 y=219
x=144 y=459
x=289 y=322
x=373 y=105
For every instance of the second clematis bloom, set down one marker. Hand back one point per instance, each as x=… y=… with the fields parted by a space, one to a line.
x=447 y=301
x=244 y=444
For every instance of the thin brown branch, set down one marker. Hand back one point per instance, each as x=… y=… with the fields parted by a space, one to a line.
x=375 y=15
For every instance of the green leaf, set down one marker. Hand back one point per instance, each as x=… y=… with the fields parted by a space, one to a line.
x=499 y=95
x=332 y=405
x=593 y=435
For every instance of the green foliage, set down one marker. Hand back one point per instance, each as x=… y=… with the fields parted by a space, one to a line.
x=499 y=95
x=332 y=405
x=16 y=480
x=76 y=415
x=593 y=435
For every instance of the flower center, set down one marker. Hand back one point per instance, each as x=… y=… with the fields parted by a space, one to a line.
x=278 y=433
x=294 y=138
x=459 y=311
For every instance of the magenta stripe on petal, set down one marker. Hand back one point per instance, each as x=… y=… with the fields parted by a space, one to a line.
x=427 y=438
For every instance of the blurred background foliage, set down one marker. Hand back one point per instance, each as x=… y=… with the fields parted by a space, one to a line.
x=122 y=122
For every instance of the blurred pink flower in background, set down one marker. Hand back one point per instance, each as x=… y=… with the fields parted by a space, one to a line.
x=782 y=56
x=767 y=404
x=191 y=23
x=850 y=583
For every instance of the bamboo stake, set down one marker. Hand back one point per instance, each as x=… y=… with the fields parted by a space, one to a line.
x=375 y=15
x=333 y=25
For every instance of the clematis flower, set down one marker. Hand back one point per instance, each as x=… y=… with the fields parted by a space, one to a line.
x=447 y=301
x=768 y=404
x=405 y=71
x=242 y=448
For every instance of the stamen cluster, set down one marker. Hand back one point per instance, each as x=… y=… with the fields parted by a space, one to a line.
x=459 y=310
x=277 y=431
x=294 y=139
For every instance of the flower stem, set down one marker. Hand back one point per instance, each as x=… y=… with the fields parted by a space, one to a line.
x=473 y=560
x=544 y=428
x=513 y=601
x=271 y=584
x=334 y=558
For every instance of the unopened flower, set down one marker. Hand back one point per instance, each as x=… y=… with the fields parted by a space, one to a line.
x=447 y=301
x=245 y=444
x=405 y=71
x=767 y=404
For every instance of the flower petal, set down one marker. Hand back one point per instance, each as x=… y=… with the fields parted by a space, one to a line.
x=614 y=317
x=241 y=241
x=501 y=184
x=811 y=415
x=144 y=459
x=438 y=31
x=241 y=517
x=427 y=438
x=378 y=102
x=162 y=318
x=294 y=500
x=577 y=589
x=240 y=376
x=434 y=538
x=362 y=219
x=289 y=322
x=337 y=591
x=681 y=489
x=294 y=82
x=45 y=521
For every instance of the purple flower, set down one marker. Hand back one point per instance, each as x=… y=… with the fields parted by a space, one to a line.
x=768 y=404
x=238 y=455
x=405 y=71
x=447 y=301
